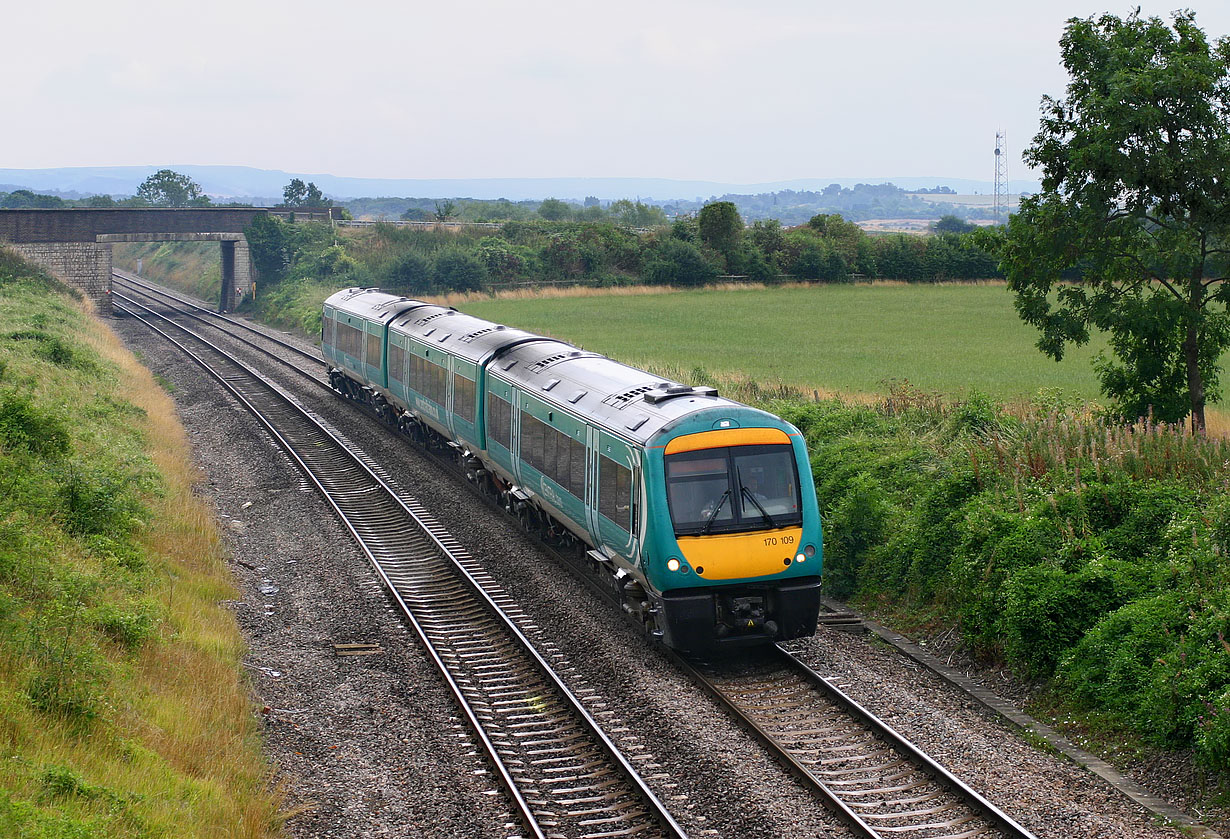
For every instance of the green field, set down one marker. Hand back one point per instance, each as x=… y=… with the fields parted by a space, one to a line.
x=845 y=338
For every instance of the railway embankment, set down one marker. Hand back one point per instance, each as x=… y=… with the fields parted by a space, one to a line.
x=124 y=709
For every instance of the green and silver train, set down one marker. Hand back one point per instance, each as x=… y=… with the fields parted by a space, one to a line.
x=699 y=511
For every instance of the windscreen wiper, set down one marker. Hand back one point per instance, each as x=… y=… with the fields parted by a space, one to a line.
x=709 y=521
x=748 y=494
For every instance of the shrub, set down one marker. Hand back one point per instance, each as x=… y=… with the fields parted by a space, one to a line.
x=459 y=271
x=62 y=782
x=853 y=528
x=409 y=274
x=678 y=263
x=97 y=500
x=23 y=425
x=129 y=629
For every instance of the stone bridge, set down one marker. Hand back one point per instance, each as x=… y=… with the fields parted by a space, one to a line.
x=75 y=245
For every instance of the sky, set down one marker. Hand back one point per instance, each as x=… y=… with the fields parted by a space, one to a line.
x=737 y=92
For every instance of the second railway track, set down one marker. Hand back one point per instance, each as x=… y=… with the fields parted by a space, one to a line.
x=563 y=774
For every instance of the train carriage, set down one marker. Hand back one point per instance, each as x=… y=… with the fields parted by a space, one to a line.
x=699 y=511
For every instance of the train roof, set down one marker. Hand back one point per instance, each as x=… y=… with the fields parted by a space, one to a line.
x=462 y=335
x=629 y=402
x=371 y=303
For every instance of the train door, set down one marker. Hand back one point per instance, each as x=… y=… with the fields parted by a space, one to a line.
x=450 y=370
x=591 y=484
x=514 y=398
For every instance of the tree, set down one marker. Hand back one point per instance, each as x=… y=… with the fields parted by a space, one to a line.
x=313 y=197
x=720 y=226
x=1131 y=232
x=294 y=193
x=22 y=199
x=165 y=188
x=552 y=209
x=952 y=224
x=445 y=210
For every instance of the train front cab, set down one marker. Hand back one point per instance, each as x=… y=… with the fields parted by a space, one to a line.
x=740 y=507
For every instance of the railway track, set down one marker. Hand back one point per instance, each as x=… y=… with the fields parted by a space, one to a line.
x=562 y=773
x=878 y=783
x=875 y=780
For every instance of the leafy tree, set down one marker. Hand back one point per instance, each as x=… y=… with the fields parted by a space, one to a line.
x=445 y=210
x=844 y=236
x=24 y=199
x=552 y=209
x=637 y=214
x=294 y=193
x=952 y=224
x=720 y=226
x=768 y=237
x=165 y=188
x=417 y=214
x=100 y=201
x=1135 y=209
x=313 y=197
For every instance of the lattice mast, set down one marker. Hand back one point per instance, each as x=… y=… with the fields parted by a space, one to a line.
x=1001 y=177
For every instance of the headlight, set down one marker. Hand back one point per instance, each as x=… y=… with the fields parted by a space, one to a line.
x=800 y=558
x=810 y=550
x=672 y=564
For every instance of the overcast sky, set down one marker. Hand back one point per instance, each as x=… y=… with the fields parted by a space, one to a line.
x=739 y=92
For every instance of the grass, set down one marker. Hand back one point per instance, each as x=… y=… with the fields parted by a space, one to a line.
x=192 y=267
x=850 y=339
x=123 y=706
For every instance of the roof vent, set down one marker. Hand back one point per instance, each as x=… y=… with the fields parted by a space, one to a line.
x=430 y=318
x=465 y=339
x=619 y=400
x=543 y=363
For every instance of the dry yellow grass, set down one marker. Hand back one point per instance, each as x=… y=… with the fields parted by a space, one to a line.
x=180 y=730
x=209 y=731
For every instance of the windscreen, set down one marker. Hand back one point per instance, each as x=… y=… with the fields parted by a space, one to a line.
x=734 y=489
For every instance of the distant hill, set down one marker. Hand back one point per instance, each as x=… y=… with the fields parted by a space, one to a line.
x=265 y=185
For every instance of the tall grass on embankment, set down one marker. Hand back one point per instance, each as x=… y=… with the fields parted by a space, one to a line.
x=123 y=708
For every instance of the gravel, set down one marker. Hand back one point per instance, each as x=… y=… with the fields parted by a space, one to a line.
x=372 y=746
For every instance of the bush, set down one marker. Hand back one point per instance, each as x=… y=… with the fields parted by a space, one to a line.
x=25 y=426
x=458 y=271
x=678 y=263
x=97 y=501
x=129 y=629
x=853 y=528
x=409 y=274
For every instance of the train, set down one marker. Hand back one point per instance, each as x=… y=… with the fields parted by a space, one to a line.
x=697 y=512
